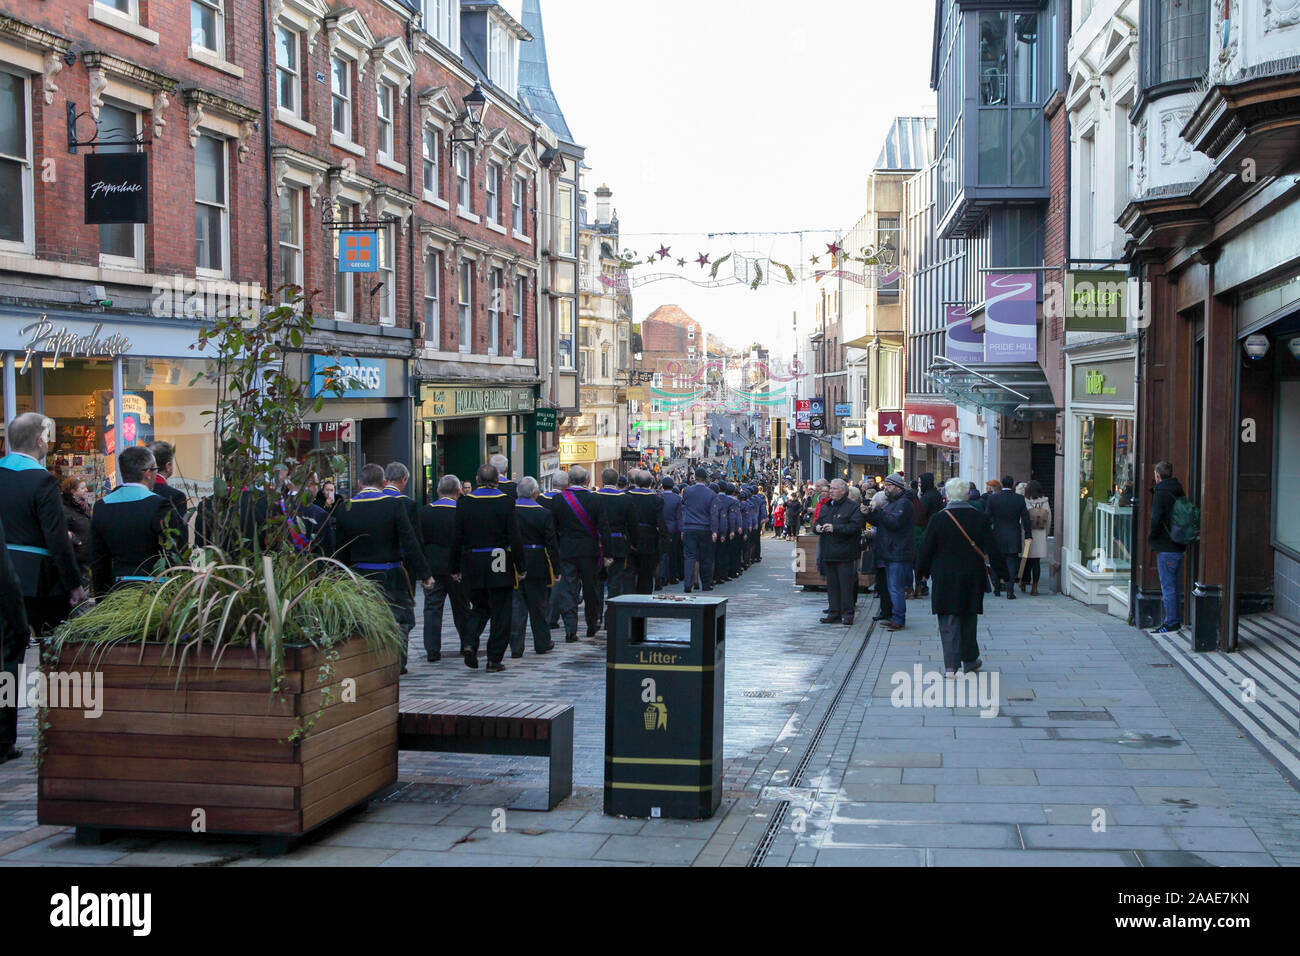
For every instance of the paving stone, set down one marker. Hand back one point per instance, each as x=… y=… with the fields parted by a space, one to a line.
x=404 y=836
x=1008 y=777
x=1031 y=858
x=871 y=857
x=516 y=843
x=928 y=834
x=1058 y=837
x=886 y=792
x=425 y=858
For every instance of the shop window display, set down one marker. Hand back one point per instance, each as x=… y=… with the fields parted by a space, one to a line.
x=1106 y=488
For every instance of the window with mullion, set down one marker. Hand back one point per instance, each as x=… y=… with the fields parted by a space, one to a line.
x=207 y=29
x=121 y=243
x=211 y=209
x=384 y=113
x=494 y=313
x=518 y=190
x=16 y=188
x=465 y=303
x=1183 y=41
x=521 y=296
x=494 y=192
x=341 y=96
x=433 y=299
x=344 y=305
x=432 y=176
x=288 y=79
x=463 y=163
x=388 y=278
x=290 y=243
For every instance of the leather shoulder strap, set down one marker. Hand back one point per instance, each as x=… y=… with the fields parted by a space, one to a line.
x=966 y=536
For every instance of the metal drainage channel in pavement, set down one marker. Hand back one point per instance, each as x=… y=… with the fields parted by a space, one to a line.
x=779 y=814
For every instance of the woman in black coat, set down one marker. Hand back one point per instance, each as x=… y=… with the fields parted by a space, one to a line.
x=793 y=515
x=948 y=556
x=76 y=508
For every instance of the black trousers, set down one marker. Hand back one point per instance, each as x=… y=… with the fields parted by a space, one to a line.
x=489 y=605
x=616 y=577
x=529 y=605
x=676 y=556
x=841 y=578
x=1033 y=570
x=444 y=589
x=882 y=593
x=644 y=566
x=13 y=647
x=580 y=578
x=44 y=614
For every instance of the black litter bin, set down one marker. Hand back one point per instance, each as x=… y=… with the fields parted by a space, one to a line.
x=663 y=706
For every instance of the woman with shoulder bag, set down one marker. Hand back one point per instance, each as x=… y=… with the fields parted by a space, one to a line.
x=1040 y=523
x=957 y=553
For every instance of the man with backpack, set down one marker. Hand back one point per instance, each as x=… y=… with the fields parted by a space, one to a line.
x=1175 y=523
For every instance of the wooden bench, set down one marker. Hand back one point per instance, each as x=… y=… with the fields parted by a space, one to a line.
x=492 y=727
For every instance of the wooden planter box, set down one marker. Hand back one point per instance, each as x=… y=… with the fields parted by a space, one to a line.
x=809 y=576
x=217 y=741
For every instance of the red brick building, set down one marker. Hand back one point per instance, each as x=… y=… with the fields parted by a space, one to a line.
x=265 y=130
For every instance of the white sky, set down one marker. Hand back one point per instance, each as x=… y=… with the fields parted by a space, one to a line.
x=711 y=116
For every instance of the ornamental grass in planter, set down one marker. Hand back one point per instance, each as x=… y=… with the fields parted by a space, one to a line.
x=247 y=691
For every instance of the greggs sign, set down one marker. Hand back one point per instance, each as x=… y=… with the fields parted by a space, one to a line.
x=931 y=424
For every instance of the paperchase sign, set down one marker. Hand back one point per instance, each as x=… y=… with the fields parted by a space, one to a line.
x=117 y=187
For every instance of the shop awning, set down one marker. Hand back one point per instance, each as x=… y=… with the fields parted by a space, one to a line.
x=869 y=451
x=1015 y=389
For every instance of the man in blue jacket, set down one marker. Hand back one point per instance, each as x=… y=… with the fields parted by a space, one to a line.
x=670 y=567
x=896 y=542
x=699 y=531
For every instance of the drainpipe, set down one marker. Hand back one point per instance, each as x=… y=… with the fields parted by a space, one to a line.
x=412 y=245
x=268 y=178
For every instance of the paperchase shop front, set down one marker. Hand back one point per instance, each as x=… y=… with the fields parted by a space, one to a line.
x=90 y=372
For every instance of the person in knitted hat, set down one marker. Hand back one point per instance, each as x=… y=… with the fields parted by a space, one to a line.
x=896 y=546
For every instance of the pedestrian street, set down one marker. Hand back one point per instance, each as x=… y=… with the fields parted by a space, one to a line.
x=1101 y=753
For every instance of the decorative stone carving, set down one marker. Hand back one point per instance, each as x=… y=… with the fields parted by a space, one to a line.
x=53 y=64
x=1226 y=30
x=1280 y=14
x=160 y=104
x=313 y=31
x=1173 y=148
x=98 y=84
x=317 y=181
x=281 y=169
x=195 y=118
x=1141 y=135
x=245 y=134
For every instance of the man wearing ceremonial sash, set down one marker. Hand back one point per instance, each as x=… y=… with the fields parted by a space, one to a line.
x=31 y=510
x=541 y=561
x=580 y=523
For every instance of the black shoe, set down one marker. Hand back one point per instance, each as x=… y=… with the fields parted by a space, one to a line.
x=1011 y=593
x=404 y=670
x=708 y=588
x=880 y=617
x=494 y=667
x=516 y=656
x=570 y=638
x=847 y=621
x=830 y=619
x=433 y=658
x=471 y=659
x=544 y=650
x=592 y=631
x=973 y=666
x=9 y=752
x=687 y=590
x=997 y=591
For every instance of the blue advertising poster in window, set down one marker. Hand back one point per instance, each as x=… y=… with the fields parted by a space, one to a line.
x=358 y=250
x=843 y=410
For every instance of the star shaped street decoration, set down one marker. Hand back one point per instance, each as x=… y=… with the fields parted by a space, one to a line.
x=681 y=262
x=703 y=259
x=815 y=259
x=663 y=252
x=834 y=249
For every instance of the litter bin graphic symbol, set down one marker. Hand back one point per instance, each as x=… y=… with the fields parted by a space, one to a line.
x=656 y=715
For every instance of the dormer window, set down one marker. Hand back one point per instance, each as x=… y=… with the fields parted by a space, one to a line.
x=503 y=57
x=442 y=22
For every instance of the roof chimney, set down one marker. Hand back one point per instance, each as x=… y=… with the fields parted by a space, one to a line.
x=603 y=195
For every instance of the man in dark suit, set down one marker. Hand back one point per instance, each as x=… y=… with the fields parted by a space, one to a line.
x=438 y=527
x=549 y=499
x=487 y=556
x=13 y=646
x=396 y=477
x=164 y=455
x=621 y=520
x=31 y=510
x=1011 y=529
x=541 y=561
x=309 y=526
x=502 y=464
x=581 y=525
x=374 y=534
x=652 y=531
x=132 y=528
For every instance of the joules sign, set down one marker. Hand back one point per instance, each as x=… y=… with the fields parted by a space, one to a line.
x=43 y=337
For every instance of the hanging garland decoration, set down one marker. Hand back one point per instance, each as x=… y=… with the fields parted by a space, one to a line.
x=756 y=271
x=717 y=265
